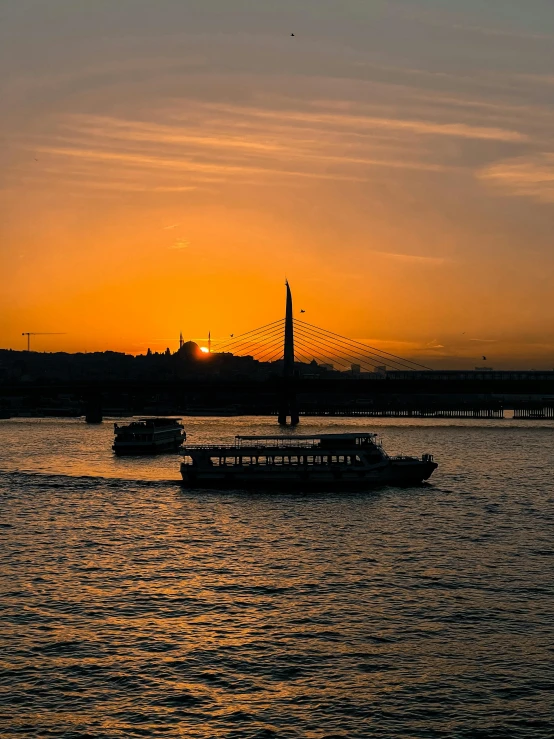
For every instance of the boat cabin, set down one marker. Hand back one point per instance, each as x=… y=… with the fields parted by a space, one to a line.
x=327 y=450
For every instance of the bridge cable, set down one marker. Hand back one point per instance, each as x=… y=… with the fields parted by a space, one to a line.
x=268 y=349
x=224 y=343
x=366 y=346
x=349 y=351
x=252 y=331
x=335 y=348
x=256 y=338
x=336 y=359
x=332 y=353
x=255 y=347
x=307 y=361
x=353 y=350
x=258 y=346
x=247 y=341
x=341 y=359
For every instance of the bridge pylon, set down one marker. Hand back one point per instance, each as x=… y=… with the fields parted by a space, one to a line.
x=288 y=406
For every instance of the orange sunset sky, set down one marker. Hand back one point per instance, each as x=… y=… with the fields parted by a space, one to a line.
x=165 y=165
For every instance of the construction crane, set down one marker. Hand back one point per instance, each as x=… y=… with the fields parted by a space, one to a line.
x=28 y=334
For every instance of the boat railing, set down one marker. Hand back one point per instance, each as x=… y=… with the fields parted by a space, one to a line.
x=279 y=444
x=238 y=447
x=210 y=447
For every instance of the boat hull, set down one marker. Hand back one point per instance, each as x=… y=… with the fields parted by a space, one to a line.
x=403 y=473
x=133 y=450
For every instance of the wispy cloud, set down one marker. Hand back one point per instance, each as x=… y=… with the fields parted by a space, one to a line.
x=185 y=146
x=180 y=244
x=416 y=258
x=275 y=139
x=194 y=167
x=350 y=120
x=434 y=345
x=529 y=176
x=482 y=30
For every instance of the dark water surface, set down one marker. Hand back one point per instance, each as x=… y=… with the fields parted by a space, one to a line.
x=133 y=607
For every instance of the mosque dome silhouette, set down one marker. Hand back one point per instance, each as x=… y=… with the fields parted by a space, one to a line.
x=189 y=350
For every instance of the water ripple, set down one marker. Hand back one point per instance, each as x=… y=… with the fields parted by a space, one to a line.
x=132 y=607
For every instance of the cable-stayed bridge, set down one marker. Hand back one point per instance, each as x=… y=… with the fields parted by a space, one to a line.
x=313 y=344
x=295 y=341
x=291 y=384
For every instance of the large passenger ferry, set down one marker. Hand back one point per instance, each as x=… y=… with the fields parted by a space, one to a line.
x=149 y=436
x=335 y=461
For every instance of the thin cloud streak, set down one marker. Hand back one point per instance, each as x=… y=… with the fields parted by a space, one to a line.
x=360 y=121
x=421 y=258
x=279 y=138
x=188 y=165
x=293 y=151
x=201 y=145
x=180 y=244
x=528 y=177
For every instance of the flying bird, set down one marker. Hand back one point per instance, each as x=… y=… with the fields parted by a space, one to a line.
x=302 y=310
x=292 y=34
x=232 y=335
x=484 y=359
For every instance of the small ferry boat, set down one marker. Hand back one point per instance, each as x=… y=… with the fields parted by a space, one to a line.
x=326 y=461
x=149 y=436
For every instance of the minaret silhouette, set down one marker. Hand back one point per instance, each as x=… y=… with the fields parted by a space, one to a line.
x=181 y=342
